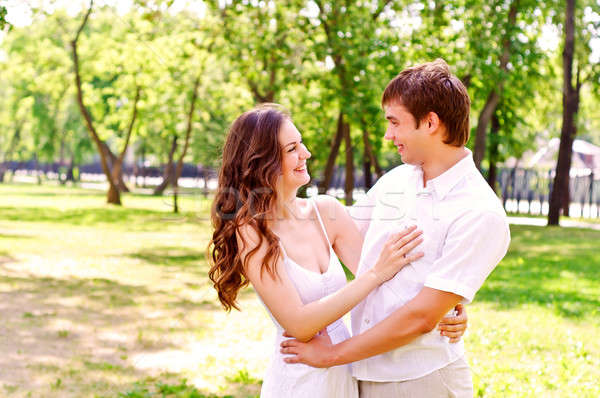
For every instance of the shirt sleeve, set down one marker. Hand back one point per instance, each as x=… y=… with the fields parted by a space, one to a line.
x=474 y=245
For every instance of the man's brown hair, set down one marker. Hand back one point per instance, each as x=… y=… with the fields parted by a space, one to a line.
x=431 y=87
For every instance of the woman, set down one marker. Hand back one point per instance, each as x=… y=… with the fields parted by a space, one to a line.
x=266 y=236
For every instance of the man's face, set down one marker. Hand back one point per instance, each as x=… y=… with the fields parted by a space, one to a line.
x=403 y=132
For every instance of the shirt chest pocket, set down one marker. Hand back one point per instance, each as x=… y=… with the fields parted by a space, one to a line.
x=433 y=242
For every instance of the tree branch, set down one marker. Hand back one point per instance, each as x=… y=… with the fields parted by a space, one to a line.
x=85 y=19
x=380 y=9
x=131 y=123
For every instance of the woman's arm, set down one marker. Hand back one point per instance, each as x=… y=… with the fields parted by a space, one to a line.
x=303 y=321
x=347 y=242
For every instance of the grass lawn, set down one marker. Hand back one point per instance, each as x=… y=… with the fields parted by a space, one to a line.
x=101 y=301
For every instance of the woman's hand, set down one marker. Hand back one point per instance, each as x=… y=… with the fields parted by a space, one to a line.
x=396 y=253
x=454 y=326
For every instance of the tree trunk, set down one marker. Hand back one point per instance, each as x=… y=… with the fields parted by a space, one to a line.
x=112 y=165
x=349 y=185
x=186 y=145
x=495 y=94
x=482 y=123
x=69 y=174
x=9 y=152
x=367 y=160
x=560 y=192
x=333 y=152
x=370 y=152
x=113 y=195
x=117 y=162
x=169 y=172
x=493 y=172
x=367 y=172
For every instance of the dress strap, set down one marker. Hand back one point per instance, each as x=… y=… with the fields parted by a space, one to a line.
x=314 y=203
x=282 y=248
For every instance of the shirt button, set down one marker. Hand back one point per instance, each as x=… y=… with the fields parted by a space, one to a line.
x=366 y=321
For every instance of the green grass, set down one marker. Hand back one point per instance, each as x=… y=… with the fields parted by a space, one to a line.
x=104 y=301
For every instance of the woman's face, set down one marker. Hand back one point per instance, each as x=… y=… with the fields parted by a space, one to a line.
x=293 y=158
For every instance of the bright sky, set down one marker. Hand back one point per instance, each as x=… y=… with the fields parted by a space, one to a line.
x=19 y=11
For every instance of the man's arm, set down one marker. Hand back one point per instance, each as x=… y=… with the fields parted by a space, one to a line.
x=475 y=243
x=417 y=317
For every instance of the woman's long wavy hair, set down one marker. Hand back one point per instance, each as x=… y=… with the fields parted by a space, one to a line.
x=245 y=196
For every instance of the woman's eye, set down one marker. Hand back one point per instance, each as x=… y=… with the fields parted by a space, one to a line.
x=292 y=149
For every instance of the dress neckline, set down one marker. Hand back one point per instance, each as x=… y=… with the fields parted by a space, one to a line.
x=331 y=253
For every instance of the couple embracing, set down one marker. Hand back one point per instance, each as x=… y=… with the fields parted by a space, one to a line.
x=421 y=243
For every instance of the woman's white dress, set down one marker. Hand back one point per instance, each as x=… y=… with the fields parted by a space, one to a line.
x=284 y=380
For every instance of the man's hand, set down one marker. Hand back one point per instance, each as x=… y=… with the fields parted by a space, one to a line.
x=454 y=326
x=318 y=352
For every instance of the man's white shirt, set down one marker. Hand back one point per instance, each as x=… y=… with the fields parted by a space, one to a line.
x=465 y=234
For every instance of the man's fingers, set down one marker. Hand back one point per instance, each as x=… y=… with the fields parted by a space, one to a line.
x=452 y=320
x=293 y=359
x=452 y=335
x=286 y=334
x=451 y=327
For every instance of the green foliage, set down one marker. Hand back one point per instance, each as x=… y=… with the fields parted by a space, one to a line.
x=161 y=390
x=3 y=21
x=317 y=58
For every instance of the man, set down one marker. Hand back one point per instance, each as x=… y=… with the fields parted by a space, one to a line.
x=395 y=350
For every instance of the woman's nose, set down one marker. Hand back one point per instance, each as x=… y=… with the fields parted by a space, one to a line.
x=307 y=153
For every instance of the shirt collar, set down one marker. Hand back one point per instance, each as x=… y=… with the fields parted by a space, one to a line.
x=443 y=183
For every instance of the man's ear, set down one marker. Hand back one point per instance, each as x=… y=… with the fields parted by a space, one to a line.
x=432 y=121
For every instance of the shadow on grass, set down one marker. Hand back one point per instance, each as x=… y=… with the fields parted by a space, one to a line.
x=154 y=387
x=173 y=256
x=555 y=268
x=52 y=324
x=5 y=257
x=128 y=218
x=14 y=236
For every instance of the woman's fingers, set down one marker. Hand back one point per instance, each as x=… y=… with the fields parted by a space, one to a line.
x=409 y=246
x=289 y=350
x=404 y=232
x=289 y=347
x=289 y=343
x=413 y=257
x=404 y=239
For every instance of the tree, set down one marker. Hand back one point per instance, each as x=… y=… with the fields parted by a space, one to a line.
x=352 y=37
x=573 y=57
x=570 y=103
x=113 y=195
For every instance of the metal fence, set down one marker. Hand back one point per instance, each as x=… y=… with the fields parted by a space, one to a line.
x=527 y=191
x=524 y=191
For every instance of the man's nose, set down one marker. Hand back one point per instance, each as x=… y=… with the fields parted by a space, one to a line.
x=388 y=135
